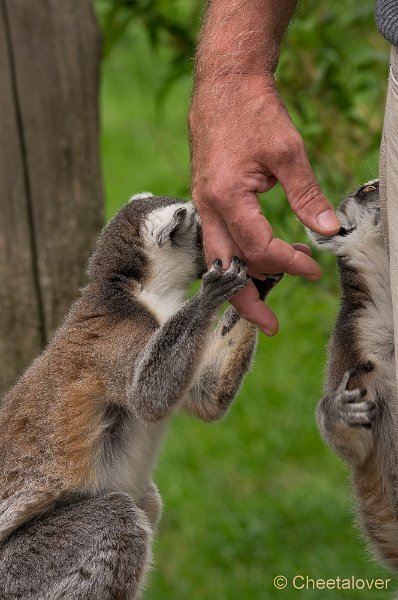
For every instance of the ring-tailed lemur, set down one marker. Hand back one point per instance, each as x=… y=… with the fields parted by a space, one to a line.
x=358 y=416
x=81 y=428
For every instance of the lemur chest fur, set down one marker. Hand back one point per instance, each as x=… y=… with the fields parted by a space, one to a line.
x=161 y=307
x=128 y=452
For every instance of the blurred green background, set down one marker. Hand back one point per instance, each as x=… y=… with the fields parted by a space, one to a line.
x=257 y=495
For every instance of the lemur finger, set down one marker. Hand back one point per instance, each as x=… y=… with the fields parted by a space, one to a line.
x=352 y=372
x=360 y=418
x=233 y=286
x=363 y=368
x=351 y=396
x=216 y=267
x=243 y=268
x=235 y=266
x=230 y=277
x=361 y=425
x=357 y=407
x=346 y=378
x=214 y=272
x=221 y=290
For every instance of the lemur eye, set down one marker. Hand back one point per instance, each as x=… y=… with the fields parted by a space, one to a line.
x=369 y=188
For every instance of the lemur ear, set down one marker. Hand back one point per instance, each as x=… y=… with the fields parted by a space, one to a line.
x=168 y=231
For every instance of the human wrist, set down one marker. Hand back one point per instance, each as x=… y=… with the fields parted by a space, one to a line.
x=229 y=91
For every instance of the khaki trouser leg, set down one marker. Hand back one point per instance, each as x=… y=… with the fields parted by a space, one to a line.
x=389 y=184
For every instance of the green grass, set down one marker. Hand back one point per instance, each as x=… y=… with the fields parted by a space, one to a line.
x=259 y=494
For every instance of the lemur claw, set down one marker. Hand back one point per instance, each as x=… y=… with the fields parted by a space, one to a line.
x=216 y=267
x=221 y=286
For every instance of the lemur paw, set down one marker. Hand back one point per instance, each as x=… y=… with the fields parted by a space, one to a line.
x=219 y=286
x=348 y=406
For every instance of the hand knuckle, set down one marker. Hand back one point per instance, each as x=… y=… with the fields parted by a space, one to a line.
x=254 y=256
x=290 y=146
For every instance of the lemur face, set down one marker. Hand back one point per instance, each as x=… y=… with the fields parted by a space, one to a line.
x=359 y=215
x=174 y=232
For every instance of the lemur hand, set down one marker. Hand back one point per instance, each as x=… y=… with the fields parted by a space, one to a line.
x=349 y=406
x=219 y=286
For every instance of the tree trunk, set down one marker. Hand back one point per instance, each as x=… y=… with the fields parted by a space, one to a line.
x=51 y=200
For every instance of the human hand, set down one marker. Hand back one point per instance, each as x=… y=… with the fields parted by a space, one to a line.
x=243 y=141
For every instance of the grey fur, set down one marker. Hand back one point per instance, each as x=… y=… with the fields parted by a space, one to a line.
x=93 y=548
x=82 y=427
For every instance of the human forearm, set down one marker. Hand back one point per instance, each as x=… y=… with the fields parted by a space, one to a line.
x=242 y=37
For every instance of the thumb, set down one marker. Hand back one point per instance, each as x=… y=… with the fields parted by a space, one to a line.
x=305 y=196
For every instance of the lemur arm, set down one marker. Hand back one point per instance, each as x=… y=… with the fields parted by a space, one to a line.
x=345 y=417
x=227 y=360
x=169 y=362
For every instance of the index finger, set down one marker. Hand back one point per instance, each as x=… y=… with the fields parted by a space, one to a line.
x=264 y=253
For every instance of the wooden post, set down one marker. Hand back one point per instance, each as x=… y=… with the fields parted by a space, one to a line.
x=51 y=200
